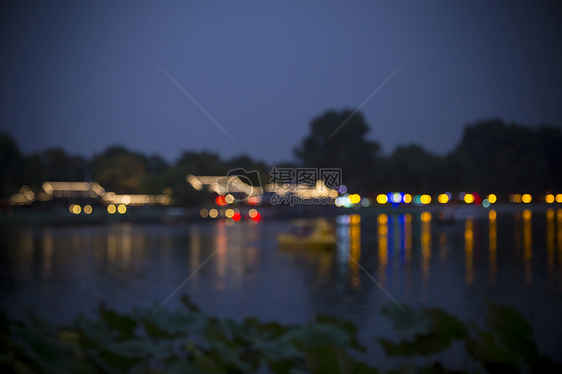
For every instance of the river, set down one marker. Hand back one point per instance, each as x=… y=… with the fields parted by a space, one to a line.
x=234 y=269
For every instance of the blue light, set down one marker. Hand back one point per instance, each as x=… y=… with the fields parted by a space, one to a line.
x=342 y=220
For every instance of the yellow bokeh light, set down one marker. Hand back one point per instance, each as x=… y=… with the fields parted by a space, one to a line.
x=213 y=213
x=354 y=219
x=527 y=214
x=549 y=199
x=111 y=209
x=526 y=198
x=492 y=215
x=229 y=213
x=382 y=218
x=122 y=208
x=252 y=213
x=354 y=198
x=333 y=194
x=88 y=209
x=407 y=198
x=75 y=209
x=469 y=198
x=425 y=216
x=425 y=199
x=382 y=199
x=229 y=199
x=492 y=198
x=443 y=198
x=204 y=213
x=559 y=198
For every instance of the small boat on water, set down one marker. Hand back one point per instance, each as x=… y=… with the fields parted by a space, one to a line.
x=308 y=234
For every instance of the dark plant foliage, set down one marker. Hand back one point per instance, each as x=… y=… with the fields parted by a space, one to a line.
x=190 y=341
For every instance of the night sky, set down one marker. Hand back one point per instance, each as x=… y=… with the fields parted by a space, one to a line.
x=86 y=75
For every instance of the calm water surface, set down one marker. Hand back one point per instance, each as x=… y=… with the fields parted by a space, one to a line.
x=513 y=259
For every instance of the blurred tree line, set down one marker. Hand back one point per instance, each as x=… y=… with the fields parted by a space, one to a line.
x=492 y=156
x=117 y=169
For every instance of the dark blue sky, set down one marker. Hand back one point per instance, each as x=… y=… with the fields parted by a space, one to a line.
x=85 y=75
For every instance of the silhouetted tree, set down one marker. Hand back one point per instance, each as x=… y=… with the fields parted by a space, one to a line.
x=154 y=181
x=507 y=158
x=59 y=166
x=203 y=163
x=34 y=170
x=10 y=165
x=337 y=140
x=411 y=168
x=249 y=165
x=119 y=170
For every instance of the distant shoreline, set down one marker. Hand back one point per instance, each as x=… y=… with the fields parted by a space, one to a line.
x=42 y=217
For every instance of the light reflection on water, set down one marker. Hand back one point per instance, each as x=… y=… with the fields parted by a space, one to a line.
x=514 y=259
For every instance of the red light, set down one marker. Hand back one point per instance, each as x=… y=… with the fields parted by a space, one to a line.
x=257 y=217
x=220 y=201
x=236 y=216
x=253 y=200
x=477 y=198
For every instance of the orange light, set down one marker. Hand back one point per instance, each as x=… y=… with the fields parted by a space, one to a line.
x=407 y=198
x=549 y=199
x=443 y=198
x=469 y=198
x=425 y=199
x=526 y=198
x=354 y=198
x=382 y=199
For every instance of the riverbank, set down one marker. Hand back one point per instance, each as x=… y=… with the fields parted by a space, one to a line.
x=61 y=216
